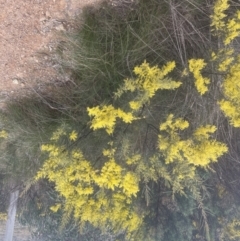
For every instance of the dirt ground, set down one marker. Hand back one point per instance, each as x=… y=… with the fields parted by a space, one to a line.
x=26 y=28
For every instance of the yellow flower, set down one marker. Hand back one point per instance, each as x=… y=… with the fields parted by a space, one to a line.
x=232 y=29
x=148 y=81
x=55 y=208
x=231 y=110
x=135 y=105
x=225 y=64
x=109 y=152
x=198 y=150
x=177 y=124
x=202 y=132
x=195 y=66
x=217 y=18
x=3 y=134
x=77 y=154
x=130 y=184
x=214 y=56
x=73 y=136
x=133 y=160
x=57 y=134
x=105 y=117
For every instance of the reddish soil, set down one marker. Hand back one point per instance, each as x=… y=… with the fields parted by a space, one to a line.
x=26 y=28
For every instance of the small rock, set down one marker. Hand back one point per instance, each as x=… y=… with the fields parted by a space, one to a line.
x=48 y=15
x=15 y=81
x=60 y=27
x=43 y=19
x=20 y=75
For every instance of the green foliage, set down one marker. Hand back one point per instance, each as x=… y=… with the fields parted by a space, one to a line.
x=107 y=195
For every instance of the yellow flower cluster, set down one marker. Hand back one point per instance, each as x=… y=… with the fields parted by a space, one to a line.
x=231 y=230
x=55 y=208
x=109 y=152
x=195 y=67
x=112 y=212
x=133 y=160
x=224 y=65
x=231 y=111
x=173 y=125
x=100 y=196
x=3 y=134
x=105 y=117
x=232 y=29
x=111 y=175
x=203 y=132
x=58 y=133
x=130 y=184
x=229 y=63
x=230 y=105
x=148 y=81
x=229 y=29
x=218 y=15
x=73 y=136
x=53 y=150
x=199 y=150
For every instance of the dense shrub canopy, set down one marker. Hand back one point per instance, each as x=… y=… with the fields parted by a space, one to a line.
x=141 y=143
